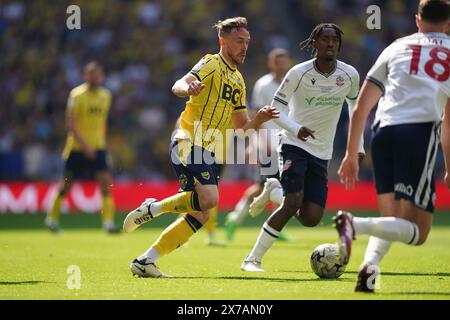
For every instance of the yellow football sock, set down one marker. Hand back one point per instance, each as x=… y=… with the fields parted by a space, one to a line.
x=108 y=208
x=55 y=211
x=177 y=234
x=181 y=203
x=211 y=224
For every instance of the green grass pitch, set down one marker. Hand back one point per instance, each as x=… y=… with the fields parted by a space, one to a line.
x=34 y=264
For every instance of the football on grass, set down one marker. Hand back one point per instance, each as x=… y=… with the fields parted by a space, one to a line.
x=325 y=261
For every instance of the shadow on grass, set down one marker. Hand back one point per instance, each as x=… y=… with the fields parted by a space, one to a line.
x=420 y=274
x=418 y=293
x=8 y=283
x=265 y=279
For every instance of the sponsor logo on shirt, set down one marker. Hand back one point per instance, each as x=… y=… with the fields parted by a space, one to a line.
x=324 y=101
x=309 y=100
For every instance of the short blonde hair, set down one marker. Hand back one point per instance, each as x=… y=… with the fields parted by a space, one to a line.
x=227 y=26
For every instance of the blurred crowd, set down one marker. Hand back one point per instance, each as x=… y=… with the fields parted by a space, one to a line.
x=144 y=46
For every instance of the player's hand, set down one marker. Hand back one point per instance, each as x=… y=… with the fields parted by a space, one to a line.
x=267 y=113
x=89 y=153
x=304 y=133
x=447 y=180
x=195 y=87
x=348 y=171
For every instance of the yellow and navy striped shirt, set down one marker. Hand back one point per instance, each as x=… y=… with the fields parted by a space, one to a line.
x=207 y=115
x=90 y=109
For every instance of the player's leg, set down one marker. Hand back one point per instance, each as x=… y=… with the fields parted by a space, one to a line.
x=104 y=179
x=407 y=189
x=211 y=229
x=203 y=197
x=52 y=218
x=72 y=170
x=108 y=207
x=237 y=216
x=408 y=174
x=173 y=237
x=292 y=180
x=196 y=179
x=316 y=192
x=378 y=247
x=271 y=229
x=211 y=223
x=272 y=192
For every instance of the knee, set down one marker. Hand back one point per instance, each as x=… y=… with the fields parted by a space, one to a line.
x=423 y=234
x=201 y=217
x=292 y=205
x=208 y=201
x=422 y=240
x=309 y=221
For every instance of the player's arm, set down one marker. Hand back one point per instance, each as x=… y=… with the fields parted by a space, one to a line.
x=281 y=101
x=242 y=121
x=351 y=102
x=71 y=122
x=367 y=99
x=189 y=85
x=445 y=141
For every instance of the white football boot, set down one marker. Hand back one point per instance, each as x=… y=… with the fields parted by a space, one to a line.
x=138 y=216
x=260 y=202
x=251 y=266
x=149 y=270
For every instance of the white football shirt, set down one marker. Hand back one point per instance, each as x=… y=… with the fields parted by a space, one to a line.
x=262 y=95
x=413 y=73
x=314 y=100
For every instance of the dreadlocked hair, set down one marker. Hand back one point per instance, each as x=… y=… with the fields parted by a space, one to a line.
x=308 y=43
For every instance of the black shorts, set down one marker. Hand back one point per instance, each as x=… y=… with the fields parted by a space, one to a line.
x=303 y=172
x=403 y=162
x=201 y=169
x=78 y=167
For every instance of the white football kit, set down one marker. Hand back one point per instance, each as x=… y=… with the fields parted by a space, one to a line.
x=310 y=98
x=414 y=74
x=262 y=95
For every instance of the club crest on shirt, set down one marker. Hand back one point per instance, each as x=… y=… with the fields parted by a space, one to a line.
x=205 y=175
x=340 y=81
x=313 y=81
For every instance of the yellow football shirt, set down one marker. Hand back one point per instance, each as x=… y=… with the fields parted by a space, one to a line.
x=207 y=115
x=90 y=109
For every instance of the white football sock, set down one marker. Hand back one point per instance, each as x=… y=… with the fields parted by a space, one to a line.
x=388 y=228
x=276 y=195
x=149 y=256
x=240 y=211
x=267 y=237
x=155 y=208
x=376 y=250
